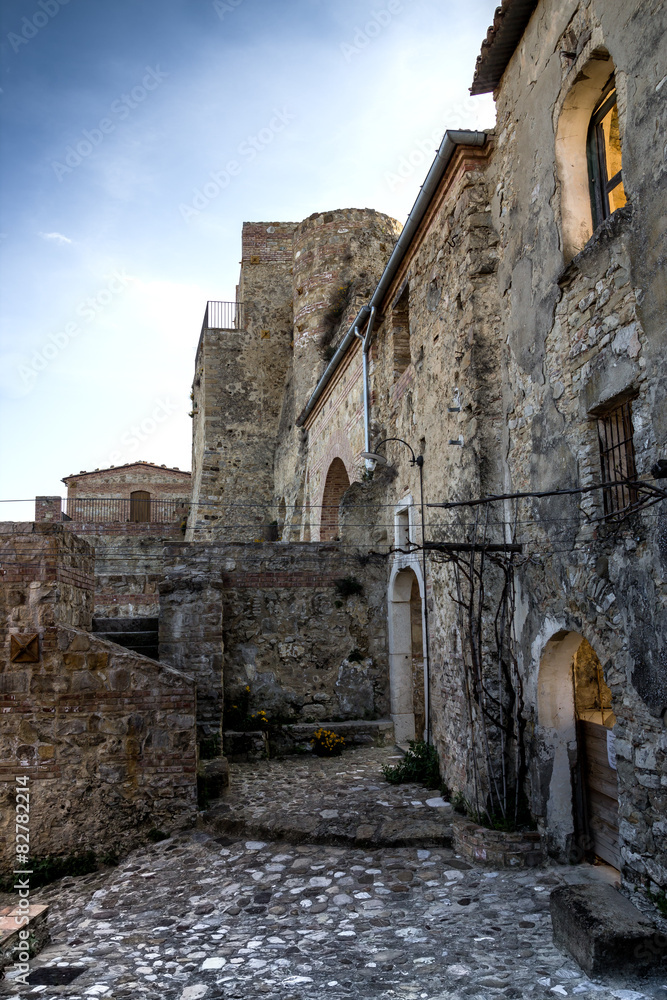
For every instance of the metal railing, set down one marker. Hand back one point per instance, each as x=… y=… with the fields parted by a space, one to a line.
x=223 y=316
x=103 y=509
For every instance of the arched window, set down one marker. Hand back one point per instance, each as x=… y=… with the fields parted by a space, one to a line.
x=336 y=483
x=605 y=175
x=588 y=151
x=140 y=506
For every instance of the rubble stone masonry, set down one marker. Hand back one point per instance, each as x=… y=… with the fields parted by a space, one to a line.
x=106 y=736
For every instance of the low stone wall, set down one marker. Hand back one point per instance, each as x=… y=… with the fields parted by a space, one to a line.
x=107 y=740
x=497 y=848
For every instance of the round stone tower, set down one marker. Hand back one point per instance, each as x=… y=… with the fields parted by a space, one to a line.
x=338 y=259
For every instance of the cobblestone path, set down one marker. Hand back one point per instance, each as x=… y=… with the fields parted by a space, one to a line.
x=343 y=800
x=205 y=917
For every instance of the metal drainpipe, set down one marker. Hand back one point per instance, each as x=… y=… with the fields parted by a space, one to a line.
x=366 y=341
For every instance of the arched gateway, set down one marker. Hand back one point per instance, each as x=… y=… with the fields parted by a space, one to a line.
x=335 y=485
x=406 y=655
x=575 y=720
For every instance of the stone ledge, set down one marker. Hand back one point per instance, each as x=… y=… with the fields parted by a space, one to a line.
x=355 y=732
x=496 y=847
x=603 y=931
x=9 y=933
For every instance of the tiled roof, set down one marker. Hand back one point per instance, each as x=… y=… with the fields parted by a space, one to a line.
x=502 y=38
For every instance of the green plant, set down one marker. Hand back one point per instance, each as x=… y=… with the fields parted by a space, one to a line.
x=327 y=744
x=659 y=899
x=420 y=764
x=349 y=586
x=209 y=747
x=110 y=858
x=53 y=867
x=460 y=803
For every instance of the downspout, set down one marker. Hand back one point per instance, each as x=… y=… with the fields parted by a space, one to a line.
x=366 y=342
x=450 y=141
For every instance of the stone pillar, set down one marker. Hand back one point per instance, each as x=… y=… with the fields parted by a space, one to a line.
x=48 y=509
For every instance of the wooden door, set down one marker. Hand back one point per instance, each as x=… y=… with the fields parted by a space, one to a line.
x=600 y=785
x=140 y=506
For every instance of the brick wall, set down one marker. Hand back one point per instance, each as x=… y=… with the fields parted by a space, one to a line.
x=107 y=739
x=267 y=242
x=106 y=736
x=46 y=576
x=48 y=509
x=335 y=485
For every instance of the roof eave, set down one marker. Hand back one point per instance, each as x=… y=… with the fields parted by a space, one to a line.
x=509 y=23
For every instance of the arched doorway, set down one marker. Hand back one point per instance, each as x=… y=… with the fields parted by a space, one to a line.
x=575 y=720
x=406 y=656
x=335 y=485
x=140 y=506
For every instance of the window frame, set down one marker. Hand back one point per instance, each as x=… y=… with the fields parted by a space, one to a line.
x=615 y=432
x=600 y=185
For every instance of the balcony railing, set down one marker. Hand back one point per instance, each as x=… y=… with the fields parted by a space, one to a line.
x=98 y=510
x=223 y=316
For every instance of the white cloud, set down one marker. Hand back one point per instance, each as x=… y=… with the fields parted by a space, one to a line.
x=57 y=237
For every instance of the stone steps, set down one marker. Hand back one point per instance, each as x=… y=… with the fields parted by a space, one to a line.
x=387 y=832
x=341 y=801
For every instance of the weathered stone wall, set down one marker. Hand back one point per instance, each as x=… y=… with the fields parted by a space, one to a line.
x=107 y=739
x=190 y=623
x=128 y=571
x=289 y=632
x=579 y=334
x=338 y=258
x=46 y=576
x=448 y=393
x=285 y=629
x=238 y=395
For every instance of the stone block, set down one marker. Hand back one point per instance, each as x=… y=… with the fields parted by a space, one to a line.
x=216 y=776
x=603 y=931
x=252 y=745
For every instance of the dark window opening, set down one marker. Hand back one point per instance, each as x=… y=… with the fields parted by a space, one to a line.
x=604 y=158
x=400 y=322
x=617 y=456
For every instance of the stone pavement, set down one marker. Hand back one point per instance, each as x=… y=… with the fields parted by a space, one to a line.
x=204 y=917
x=337 y=800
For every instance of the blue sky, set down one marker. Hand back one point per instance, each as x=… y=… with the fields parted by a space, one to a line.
x=113 y=233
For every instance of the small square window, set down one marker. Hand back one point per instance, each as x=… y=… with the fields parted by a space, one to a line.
x=617 y=456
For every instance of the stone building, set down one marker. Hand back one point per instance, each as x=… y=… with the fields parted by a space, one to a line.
x=140 y=492
x=428 y=461
x=512 y=335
